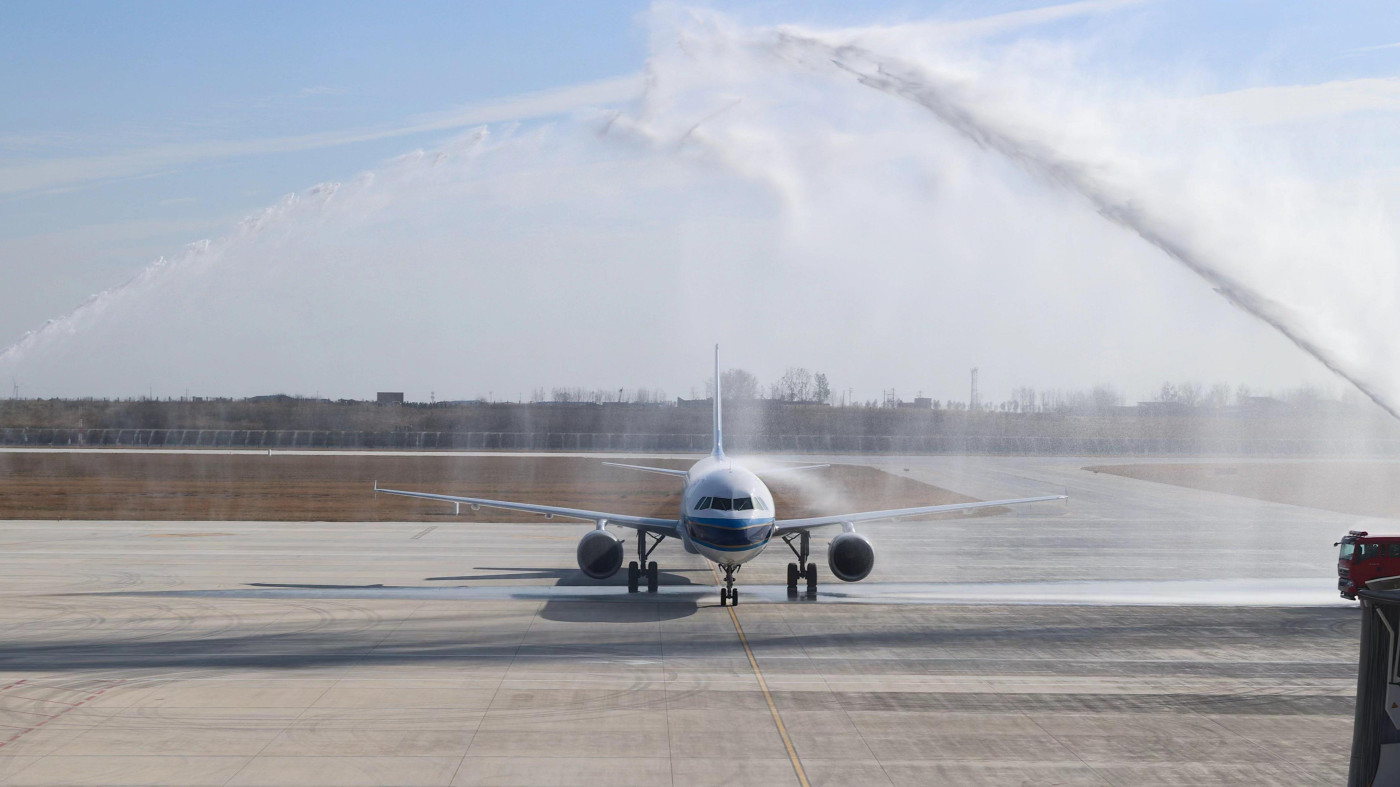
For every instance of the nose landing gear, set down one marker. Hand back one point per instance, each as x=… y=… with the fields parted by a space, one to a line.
x=801 y=569
x=729 y=594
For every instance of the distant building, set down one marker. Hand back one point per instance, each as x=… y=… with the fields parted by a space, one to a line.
x=389 y=397
x=1263 y=406
x=1164 y=408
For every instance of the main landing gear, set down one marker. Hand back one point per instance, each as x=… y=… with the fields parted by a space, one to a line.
x=729 y=594
x=801 y=569
x=635 y=570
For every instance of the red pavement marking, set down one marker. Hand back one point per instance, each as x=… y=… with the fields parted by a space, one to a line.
x=72 y=706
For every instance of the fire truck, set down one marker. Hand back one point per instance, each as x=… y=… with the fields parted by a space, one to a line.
x=1366 y=558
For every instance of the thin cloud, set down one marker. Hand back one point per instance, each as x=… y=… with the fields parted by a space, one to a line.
x=1015 y=20
x=996 y=24
x=1365 y=49
x=72 y=171
x=1277 y=104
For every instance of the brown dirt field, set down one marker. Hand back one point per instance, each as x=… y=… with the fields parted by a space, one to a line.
x=1364 y=488
x=338 y=488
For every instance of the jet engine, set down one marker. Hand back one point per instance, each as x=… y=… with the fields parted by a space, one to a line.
x=599 y=554
x=850 y=557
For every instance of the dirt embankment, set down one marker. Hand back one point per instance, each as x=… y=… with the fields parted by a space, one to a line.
x=1363 y=488
x=338 y=488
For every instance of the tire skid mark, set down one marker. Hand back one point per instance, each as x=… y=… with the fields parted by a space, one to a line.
x=111 y=684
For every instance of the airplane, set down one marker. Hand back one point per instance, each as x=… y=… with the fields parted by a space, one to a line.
x=727 y=515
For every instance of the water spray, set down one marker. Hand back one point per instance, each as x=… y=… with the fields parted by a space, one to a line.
x=942 y=98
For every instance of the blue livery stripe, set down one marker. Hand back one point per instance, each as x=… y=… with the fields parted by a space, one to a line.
x=707 y=545
x=728 y=537
x=732 y=523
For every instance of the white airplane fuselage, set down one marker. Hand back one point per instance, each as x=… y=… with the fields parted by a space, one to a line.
x=727 y=515
x=726 y=511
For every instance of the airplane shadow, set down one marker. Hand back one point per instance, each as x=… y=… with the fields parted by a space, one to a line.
x=580 y=610
x=564 y=577
x=313 y=587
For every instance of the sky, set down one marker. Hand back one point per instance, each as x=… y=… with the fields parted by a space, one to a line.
x=613 y=186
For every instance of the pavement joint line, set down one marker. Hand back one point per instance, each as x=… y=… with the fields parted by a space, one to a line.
x=496 y=692
x=767 y=695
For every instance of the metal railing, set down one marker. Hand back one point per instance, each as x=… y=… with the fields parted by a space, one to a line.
x=291 y=439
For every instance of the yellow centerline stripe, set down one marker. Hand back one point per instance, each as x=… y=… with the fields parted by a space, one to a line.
x=763 y=685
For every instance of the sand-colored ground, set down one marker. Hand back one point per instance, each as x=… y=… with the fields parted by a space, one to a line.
x=1364 y=488
x=338 y=488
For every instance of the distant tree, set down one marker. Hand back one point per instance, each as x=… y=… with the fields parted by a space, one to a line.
x=795 y=385
x=739 y=384
x=1168 y=393
x=1219 y=395
x=1189 y=394
x=1243 y=394
x=822 y=392
x=1105 y=398
x=1025 y=399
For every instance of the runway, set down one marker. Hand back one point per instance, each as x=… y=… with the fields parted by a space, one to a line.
x=1146 y=634
x=1307 y=592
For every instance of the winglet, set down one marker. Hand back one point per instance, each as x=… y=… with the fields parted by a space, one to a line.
x=719 y=429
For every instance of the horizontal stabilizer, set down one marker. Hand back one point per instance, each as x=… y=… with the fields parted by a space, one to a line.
x=661 y=470
x=777 y=470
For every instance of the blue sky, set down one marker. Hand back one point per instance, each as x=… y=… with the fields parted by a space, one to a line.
x=132 y=128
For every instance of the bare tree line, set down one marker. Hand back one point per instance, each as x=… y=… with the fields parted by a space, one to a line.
x=797 y=384
x=578 y=395
x=1221 y=395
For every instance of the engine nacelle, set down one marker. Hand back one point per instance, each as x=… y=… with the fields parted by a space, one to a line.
x=850 y=556
x=599 y=554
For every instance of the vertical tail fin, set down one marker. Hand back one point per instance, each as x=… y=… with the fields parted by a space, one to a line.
x=719 y=429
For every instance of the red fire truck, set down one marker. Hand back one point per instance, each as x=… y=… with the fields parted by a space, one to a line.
x=1365 y=558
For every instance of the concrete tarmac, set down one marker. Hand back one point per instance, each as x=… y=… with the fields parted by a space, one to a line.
x=1143 y=635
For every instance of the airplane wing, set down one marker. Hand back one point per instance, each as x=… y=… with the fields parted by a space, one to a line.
x=668 y=527
x=777 y=470
x=790 y=525
x=662 y=470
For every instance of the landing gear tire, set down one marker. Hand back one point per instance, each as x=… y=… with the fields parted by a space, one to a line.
x=653 y=577
x=728 y=594
x=801 y=546
x=632 y=576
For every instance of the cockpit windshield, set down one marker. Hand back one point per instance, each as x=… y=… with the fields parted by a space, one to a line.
x=1348 y=548
x=730 y=504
